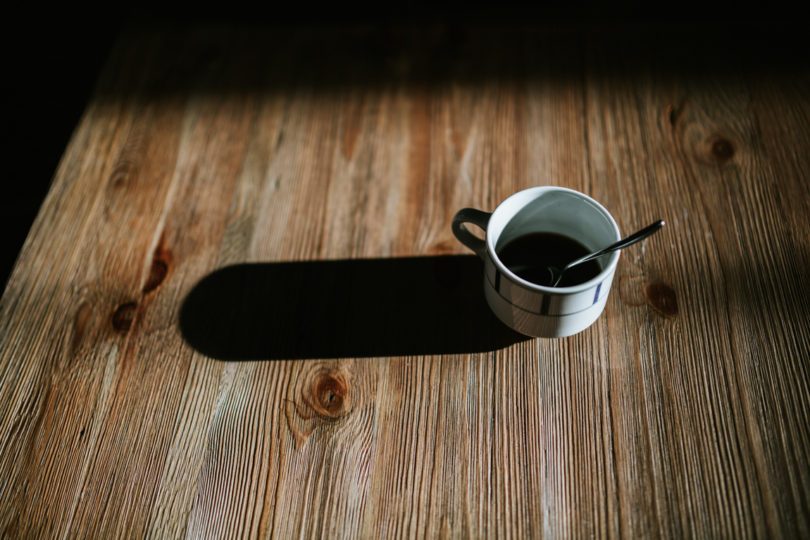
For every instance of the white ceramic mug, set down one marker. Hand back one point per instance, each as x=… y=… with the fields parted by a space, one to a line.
x=529 y=308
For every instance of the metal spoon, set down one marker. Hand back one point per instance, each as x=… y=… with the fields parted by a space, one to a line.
x=557 y=274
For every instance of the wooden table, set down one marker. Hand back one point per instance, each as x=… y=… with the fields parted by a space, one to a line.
x=241 y=309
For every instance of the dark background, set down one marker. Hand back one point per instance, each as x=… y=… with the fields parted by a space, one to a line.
x=52 y=57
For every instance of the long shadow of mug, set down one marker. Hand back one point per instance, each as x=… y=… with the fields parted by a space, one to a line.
x=343 y=308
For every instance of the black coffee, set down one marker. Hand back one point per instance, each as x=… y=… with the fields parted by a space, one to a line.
x=530 y=255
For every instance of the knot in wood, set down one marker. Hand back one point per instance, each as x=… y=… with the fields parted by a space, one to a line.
x=159 y=268
x=157 y=273
x=329 y=394
x=661 y=297
x=123 y=316
x=122 y=174
x=721 y=149
x=674 y=113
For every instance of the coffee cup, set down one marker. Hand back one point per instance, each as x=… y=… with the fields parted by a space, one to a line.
x=529 y=307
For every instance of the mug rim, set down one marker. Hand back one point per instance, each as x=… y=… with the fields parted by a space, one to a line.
x=573 y=289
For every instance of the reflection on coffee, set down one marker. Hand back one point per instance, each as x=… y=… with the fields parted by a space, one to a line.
x=530 y=256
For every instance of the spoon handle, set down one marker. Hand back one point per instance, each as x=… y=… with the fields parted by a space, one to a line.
x=624 y=242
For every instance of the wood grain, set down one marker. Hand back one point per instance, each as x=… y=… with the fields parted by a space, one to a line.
x=682 y=412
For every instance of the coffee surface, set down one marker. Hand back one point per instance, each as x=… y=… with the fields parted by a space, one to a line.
x=530 y=255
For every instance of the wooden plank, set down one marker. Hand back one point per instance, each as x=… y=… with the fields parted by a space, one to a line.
x=681 y=412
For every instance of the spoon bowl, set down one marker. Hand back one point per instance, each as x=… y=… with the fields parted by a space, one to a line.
x=556 y=274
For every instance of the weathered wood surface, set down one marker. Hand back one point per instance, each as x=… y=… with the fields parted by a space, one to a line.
x=684 y=411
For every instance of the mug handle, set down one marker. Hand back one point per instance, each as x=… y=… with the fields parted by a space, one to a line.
x=476 y=217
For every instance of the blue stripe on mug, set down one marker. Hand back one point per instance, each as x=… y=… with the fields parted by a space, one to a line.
x=497 y=280
x=596 y=295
